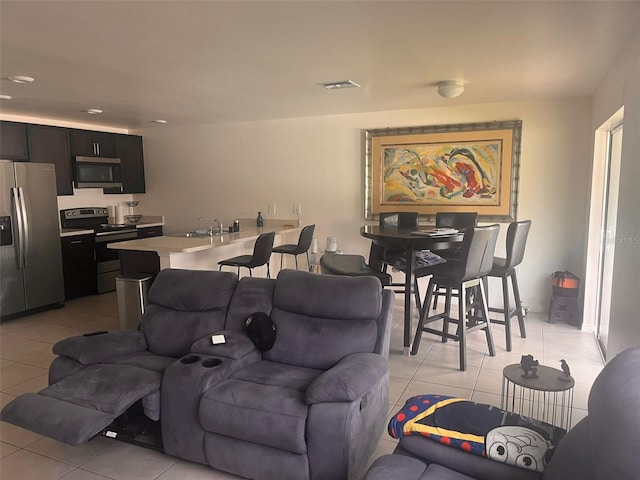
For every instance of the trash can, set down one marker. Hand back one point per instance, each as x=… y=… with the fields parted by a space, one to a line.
x=131 y=291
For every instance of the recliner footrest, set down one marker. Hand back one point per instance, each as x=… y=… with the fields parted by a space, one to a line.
x=79 y=406
x=55 y=418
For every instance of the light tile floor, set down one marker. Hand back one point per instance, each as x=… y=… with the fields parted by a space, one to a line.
x=25 y=355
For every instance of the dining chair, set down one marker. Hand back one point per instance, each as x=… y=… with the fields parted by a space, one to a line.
x=463 y=274
x=505 y=268
x=399 y=219
x=303 y=245
x=457 y=220
x=261 y=255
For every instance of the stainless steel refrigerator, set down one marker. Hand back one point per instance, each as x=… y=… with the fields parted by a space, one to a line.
x=30 y=252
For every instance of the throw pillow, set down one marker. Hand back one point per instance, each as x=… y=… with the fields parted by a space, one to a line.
x=261 y=330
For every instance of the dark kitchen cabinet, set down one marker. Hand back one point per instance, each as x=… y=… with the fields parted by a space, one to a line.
x=51 y=145
x=88 y=143
x=13 y=141
x=146 y=232
x=129 y=151
x=79 y=266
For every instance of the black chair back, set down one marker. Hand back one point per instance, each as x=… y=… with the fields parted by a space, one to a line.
x=262 y=250
x=304 y=242
x=516 y=242
x=456 y=219
x=478 y=248
x=399 y=220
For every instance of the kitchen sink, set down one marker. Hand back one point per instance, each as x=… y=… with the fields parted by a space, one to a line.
x=199 y=233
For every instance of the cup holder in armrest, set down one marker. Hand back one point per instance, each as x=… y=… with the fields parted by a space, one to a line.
x=211 y=362
x=190 y=359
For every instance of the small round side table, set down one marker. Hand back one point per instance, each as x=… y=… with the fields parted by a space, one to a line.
x=546 y=398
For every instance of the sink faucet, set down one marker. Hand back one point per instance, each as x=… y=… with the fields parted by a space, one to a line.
x=211 y=229
x=220 y=226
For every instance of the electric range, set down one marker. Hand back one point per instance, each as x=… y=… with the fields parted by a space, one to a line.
x=107 y=260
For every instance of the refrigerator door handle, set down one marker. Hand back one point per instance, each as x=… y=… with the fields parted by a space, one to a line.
x=26 y=229
x=16 y=193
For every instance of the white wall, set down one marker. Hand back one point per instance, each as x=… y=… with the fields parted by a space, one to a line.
x=231 y=171
x=621 y=87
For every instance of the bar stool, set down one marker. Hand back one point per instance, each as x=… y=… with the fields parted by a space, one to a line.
x=457 y=220
x=505 y=268
x=304 y=242
x=261 y=255
x=463 y=274
x=398 y=220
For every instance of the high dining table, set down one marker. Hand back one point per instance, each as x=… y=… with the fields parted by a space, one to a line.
x=409 y=242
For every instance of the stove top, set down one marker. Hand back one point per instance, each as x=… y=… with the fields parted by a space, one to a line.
x=91 y=218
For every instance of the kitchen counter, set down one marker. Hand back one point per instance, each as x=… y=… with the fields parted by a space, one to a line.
x=203 y=253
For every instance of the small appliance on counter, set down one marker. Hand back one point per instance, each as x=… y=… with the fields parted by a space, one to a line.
x=119 y=214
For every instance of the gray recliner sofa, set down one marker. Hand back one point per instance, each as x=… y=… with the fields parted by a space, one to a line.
x=311 y=407
x=604 y=445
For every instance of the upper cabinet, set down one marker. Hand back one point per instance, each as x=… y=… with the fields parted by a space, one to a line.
x=51 y=145
x=13 y=141
x=87 y=143
x=129 y=151
x=46 y=144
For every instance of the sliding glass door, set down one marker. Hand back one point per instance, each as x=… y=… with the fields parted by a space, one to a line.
x=608 y=235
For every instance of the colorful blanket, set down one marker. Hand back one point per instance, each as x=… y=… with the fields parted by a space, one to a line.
x=479 y=429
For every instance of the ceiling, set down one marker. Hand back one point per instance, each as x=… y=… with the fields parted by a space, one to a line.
x=197 y=62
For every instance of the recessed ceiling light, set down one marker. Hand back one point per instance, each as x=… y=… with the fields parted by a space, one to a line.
x=160 y=121
x=21 y=79
x=339 y=85
x=5 y=97
x=93 y=111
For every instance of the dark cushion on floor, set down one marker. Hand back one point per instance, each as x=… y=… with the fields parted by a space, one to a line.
x=475 y=466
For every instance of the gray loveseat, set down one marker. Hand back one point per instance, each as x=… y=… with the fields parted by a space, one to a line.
x=605 y=445
x=311 y=407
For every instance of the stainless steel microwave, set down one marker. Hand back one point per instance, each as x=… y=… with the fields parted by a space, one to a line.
x=97 y=172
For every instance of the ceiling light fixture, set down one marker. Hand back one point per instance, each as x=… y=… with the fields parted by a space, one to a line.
x=21 y=79
x=450 y=88
x=93 y=111
x=5 y=97
x=339 y=85
x=162 y=122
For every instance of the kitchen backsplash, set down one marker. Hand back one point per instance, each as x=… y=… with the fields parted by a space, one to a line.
x=93 y=197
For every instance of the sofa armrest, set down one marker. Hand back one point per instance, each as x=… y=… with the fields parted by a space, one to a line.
x=237 y=345
x=349 y=379
x=96 y=347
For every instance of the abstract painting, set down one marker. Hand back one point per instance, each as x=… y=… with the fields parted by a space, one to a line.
x=471 y=167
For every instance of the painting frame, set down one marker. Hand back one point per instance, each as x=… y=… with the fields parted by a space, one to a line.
x=490 y=151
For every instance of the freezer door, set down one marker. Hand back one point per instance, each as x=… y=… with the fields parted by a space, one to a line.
x=11 y=281
x=43 y=281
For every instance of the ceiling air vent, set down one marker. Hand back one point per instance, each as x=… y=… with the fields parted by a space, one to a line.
x=340 y=84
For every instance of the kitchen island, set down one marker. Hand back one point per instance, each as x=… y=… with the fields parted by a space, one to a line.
x=149 y=255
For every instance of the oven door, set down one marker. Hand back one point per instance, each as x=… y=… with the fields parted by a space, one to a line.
x=108 y=261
